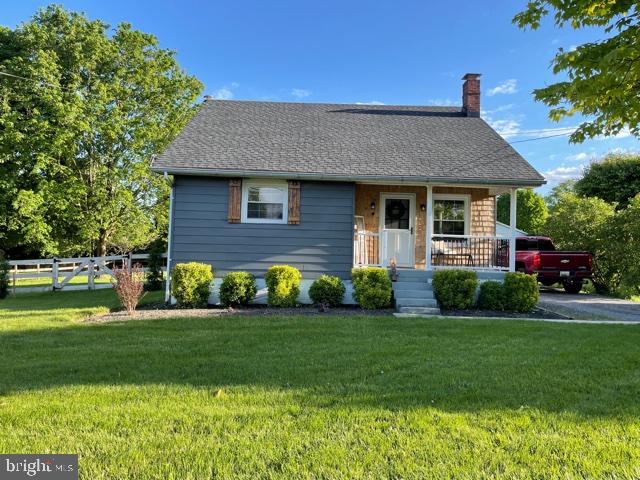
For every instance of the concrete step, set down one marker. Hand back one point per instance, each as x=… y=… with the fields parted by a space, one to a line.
x=410 y=275
x=410 y=293
x=418 y=285
x=420 y=310
x=416 y=302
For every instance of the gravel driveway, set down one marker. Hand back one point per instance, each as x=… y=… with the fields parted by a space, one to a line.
x=589 y=306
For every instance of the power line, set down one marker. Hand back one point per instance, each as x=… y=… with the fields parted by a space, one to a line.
x=28 y=79
x=542 y=138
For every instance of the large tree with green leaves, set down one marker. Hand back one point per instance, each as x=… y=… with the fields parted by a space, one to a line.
x=615 y=179
x=83 y=112
x=602 y=77
x=531 y=211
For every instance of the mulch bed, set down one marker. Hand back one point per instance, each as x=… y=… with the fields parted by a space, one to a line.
x=537 y=313
x=160 y=311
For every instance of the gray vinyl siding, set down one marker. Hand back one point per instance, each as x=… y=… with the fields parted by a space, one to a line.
x=321 y=243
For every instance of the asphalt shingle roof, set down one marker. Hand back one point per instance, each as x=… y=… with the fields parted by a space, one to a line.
x=344 y=141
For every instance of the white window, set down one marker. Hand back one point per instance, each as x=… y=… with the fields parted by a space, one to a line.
x=264 y=201
x=451 y=215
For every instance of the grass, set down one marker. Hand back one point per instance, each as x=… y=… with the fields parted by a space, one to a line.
x=46 y=282
x=317 y=397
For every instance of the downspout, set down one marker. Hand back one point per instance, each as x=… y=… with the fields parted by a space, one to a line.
x=167 y=288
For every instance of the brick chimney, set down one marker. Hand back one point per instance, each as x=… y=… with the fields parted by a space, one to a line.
x=471 y=95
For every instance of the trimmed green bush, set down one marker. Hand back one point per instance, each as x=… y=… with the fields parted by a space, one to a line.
x=371 y=287
x=455 y=289
x=491 y=296
x=190 y=283
x=327 y=290
x=520 y=291
x=283 y=284
x=237 y=288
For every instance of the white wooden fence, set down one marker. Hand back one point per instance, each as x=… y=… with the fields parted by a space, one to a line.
x=68 y=268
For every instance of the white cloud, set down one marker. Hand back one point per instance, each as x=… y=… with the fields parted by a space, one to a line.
x=562 y=174
x=505 y=128
x=372 y=102
x=300 y=93
x=619 y=150
x=442 y=102
x=507 y=87
x=501 y=108
x=580 y=157
x=225 y=92
x=624 y=133
x=511 y=127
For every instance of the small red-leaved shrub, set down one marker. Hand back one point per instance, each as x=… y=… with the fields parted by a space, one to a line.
x=128 y=286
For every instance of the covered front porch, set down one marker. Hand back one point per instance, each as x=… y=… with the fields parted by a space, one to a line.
x=433 y=226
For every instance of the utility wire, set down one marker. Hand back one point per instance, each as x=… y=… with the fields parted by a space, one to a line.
x=510 y=143
x=28 y=79
x=542 y=138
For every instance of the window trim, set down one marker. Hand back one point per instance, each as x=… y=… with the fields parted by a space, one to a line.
x=280 y=184
x=467 y=210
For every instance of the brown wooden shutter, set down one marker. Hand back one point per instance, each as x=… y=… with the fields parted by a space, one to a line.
x=235 y=200
x=293 y=216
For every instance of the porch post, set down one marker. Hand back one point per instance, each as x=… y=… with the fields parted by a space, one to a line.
x=428 y=227
x=512 y=225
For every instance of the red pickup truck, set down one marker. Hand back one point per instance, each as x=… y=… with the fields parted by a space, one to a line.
x=538 y=255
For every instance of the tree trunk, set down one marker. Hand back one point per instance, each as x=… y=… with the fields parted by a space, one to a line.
x=101 y=248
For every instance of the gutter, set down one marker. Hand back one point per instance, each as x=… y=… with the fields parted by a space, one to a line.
x=167 y=285
x=348 y=178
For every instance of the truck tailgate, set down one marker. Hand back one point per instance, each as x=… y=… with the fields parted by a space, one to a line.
x=565 y=261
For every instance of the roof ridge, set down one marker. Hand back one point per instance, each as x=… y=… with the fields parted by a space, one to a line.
x=369 y=105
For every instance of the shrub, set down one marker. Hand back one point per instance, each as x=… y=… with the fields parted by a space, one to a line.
x=520 y=291
x=190 y=284
x=4 y=275
x=129 y=286
x=455 y=289
x=491 y=296
x=238 y=288
x=371 y=287
x=327 y=291
x=283 y=285
x=155 y=278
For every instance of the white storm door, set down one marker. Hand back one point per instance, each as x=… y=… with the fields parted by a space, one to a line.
x=397 y=228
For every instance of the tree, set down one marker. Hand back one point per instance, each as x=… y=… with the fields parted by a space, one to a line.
x=624 y=246
x=79 y=129
x=531 y=211
x=583 y=223
x=602 y=76
x=4 y=275
x=616 y=179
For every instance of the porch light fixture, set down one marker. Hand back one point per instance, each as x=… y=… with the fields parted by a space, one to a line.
x=373 y=207
x=423 y=207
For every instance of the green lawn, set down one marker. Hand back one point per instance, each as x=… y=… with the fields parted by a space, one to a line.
x=317 y=397
x=46 y=282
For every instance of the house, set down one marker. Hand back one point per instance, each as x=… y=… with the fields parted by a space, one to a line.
x=326 y=187
x=504 y=230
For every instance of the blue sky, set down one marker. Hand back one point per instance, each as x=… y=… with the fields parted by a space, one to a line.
x=392 y=52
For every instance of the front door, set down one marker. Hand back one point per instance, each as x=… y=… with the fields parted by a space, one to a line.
x=397 y=228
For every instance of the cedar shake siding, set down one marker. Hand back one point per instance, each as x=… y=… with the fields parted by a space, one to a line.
x=321 y=243
x=482 y=210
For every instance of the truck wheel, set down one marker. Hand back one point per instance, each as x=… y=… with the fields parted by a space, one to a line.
x=572 y=286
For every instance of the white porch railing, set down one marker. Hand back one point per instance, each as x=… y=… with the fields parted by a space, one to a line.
x=447 y=251
x=367 y=249
x=470 y=252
